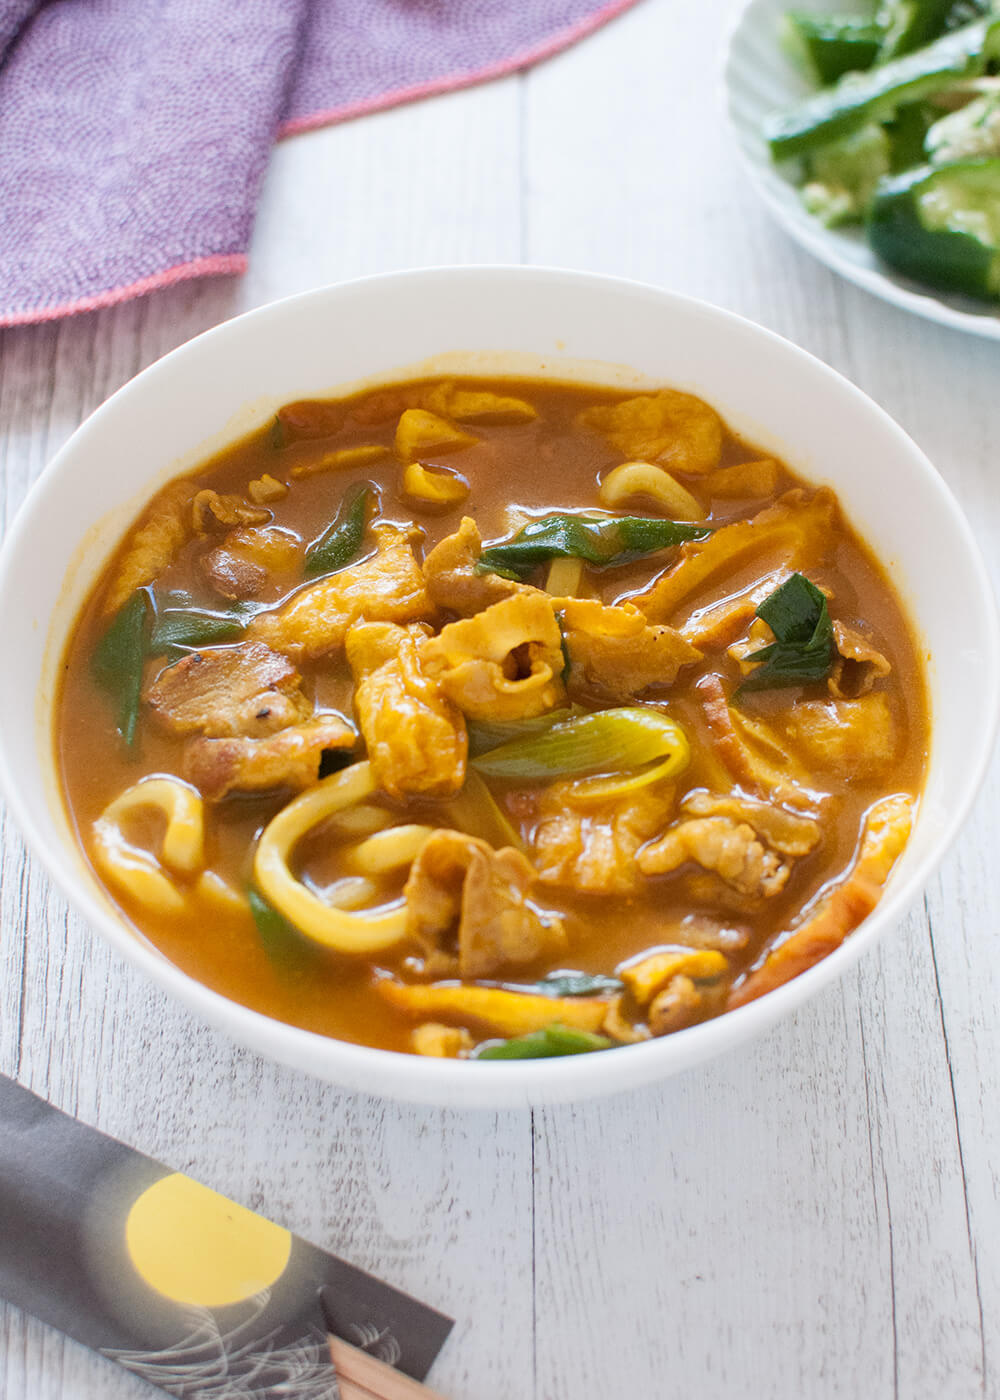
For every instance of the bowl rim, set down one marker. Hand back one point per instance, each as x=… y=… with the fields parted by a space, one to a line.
x=448 y=1083
x=826 y=245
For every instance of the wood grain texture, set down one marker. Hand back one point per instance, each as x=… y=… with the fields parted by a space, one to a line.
x=816 y=1215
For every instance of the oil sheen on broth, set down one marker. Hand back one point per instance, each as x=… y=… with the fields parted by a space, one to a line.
x=677 y=762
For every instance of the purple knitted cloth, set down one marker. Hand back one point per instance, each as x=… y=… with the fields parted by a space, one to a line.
x=134 y=133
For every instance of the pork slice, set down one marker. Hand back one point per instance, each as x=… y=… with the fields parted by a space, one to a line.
x=224 y=691
x=615 y=654
x=465 y=898
x=592 y=846
x=730 y=849
x=289 y=759
x=232 y=576
x=212 y=511
x=859 y=663
x=452 y=579
x=788 y=833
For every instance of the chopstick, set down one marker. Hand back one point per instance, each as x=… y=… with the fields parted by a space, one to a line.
x=363 y=1377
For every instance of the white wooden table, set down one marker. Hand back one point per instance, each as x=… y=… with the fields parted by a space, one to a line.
x=814 y=1216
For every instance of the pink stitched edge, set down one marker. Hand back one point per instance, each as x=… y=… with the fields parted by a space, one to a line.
x=219 y=265
x=224 y=264
x=452 y=81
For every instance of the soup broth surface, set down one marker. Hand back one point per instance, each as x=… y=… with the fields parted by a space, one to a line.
x=822 y=754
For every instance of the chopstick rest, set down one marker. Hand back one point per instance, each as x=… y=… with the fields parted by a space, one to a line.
x=184 y=1287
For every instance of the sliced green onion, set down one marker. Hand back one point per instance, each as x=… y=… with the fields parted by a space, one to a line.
x=338 y=545
x=543 y=1045
x=797 y=614
x=476 y=811
x=484 y=735
x=599 y=539
x=118 y=660
x=284 y=945
x=611 y=741
x=181 y=629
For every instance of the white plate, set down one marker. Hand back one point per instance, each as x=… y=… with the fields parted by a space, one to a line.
x=759 y=79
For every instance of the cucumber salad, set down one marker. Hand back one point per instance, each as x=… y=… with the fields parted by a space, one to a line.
x=902 y=134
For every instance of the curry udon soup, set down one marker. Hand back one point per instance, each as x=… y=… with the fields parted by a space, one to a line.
x=493 y=720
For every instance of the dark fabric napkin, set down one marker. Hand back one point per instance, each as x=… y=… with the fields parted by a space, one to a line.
x=134 y=133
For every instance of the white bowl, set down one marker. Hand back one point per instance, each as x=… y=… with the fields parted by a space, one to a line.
x=531 y=320
x=759 y=79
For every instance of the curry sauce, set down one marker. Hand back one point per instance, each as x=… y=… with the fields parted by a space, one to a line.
x=412 y=719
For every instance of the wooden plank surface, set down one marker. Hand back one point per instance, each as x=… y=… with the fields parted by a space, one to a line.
x=816 y=1215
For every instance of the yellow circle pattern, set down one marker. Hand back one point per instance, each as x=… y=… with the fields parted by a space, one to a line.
x=197 y=1247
